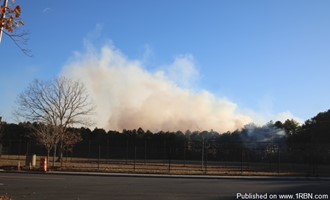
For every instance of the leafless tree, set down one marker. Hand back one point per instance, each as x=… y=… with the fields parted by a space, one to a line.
x=58 y=104
x=47 y=136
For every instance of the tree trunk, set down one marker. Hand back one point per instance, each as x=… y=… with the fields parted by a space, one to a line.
x=61 y=153
x=54 y=156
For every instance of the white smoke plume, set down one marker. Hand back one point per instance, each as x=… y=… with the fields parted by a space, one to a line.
x=127 y=96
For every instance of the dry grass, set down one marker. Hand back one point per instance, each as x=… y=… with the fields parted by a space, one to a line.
x=165 y=167
x=159 y=167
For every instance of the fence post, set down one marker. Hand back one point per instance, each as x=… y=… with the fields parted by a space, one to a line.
x=184 y=155
x=145 y=152
x=206 y=161
x=99 y=157
x=164 y=151
x=169 y=160
x=19 y=148
x=108 y=147
x=202 y=155
x=134 y=155
x=126 y=151
x=278 y=159
x=241 y=160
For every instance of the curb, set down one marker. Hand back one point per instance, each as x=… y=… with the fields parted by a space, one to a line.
x=189 y=176
x=100 y=174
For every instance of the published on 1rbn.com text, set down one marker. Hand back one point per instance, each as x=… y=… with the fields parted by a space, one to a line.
x=298 y=196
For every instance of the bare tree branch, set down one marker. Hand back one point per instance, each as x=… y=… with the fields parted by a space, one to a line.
x=20 y=40
x=10 y=21
x=46 y=135
x=58 y=105
x=62 y=102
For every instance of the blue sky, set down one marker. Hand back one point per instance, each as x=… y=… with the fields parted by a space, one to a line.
x=268 y=57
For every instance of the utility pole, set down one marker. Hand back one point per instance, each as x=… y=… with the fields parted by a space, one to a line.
x=3 y=15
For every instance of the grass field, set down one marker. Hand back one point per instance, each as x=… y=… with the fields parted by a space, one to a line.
x=175 y=167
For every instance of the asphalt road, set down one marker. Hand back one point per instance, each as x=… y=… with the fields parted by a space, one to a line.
x=81 y=187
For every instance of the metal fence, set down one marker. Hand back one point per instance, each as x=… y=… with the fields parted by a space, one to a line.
x=170 y=158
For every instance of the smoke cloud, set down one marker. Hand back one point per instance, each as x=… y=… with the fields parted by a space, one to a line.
x=128 y=96
x=266 y=133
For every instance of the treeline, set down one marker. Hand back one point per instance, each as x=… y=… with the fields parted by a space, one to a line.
x=288 y=141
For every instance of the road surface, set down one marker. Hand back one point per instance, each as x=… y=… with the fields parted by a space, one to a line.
x=81 y=187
